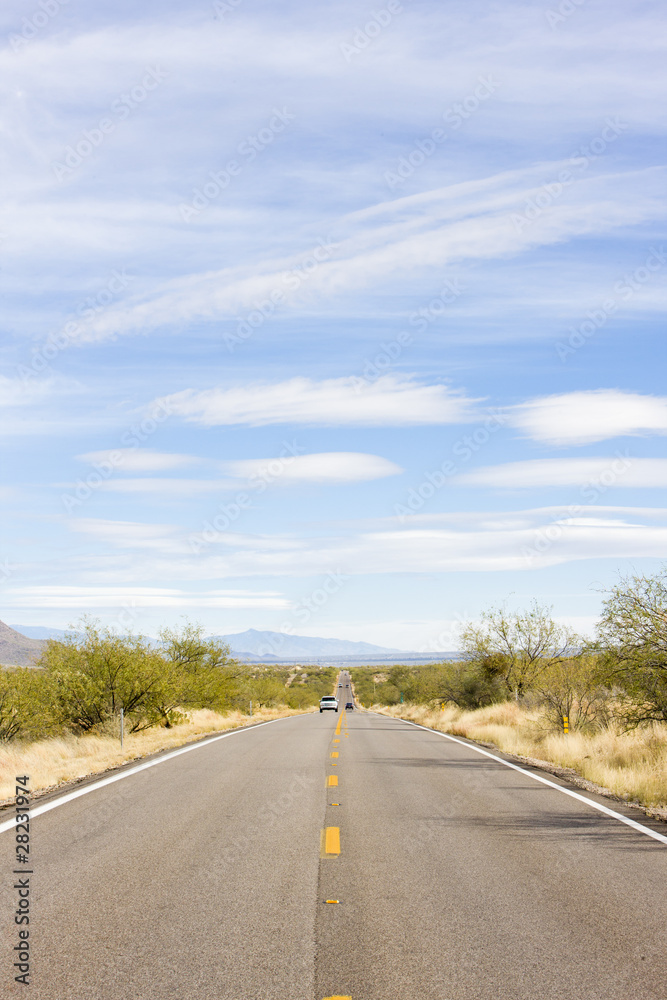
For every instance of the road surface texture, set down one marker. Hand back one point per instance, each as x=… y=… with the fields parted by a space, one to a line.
x=456 y=878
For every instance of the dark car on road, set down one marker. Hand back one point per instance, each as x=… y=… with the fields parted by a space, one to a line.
x=349 y=704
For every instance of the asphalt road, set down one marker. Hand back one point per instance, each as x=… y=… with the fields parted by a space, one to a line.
x=457 y=879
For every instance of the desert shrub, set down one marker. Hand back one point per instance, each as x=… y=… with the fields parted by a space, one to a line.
x=517 y=647
x=95 y=673
x=469 y=687
x=632 y=647
x=573 y=688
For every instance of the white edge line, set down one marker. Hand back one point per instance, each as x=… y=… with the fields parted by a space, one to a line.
x=545 y=781
x=69 y=796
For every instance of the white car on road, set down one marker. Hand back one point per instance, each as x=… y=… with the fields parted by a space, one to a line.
x=328 y=702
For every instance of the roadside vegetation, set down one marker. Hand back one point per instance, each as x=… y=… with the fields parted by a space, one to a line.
x=61 y=720
x=524 y=679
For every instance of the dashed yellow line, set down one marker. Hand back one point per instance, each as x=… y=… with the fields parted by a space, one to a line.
x=334 y=753
x=330 y=842
x=340 y=723
x=332 y=780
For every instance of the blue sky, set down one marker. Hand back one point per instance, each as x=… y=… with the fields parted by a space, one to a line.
x=342 y=320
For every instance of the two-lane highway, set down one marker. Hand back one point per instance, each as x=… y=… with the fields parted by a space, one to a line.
x=455 y=878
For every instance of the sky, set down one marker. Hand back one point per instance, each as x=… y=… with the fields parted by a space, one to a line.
x=332 y=319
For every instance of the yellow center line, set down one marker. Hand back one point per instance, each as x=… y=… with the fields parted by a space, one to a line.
x=329 y=842
x=340 y=722
x=332 y=780
x=334 y=753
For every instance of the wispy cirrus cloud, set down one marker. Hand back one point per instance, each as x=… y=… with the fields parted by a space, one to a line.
x=603 y=473
x=477 y=542
x=413 y=236
x=289 y=468
x=391 y=401
x=85 y=598
x=130 y=534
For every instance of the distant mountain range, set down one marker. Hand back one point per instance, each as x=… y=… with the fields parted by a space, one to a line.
x=264 y=644
x=40 y=631
x=253 y=646
x=20 y=645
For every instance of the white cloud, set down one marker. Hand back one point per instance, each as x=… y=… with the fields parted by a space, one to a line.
x=460 y=216
x=575 y=418
x=137 y=459
x=328 y=467
x=470 y=541
x=513 y=519
x=130 y=534
x=84 y=598
x=514 y=541
x=388 y=402
x=593 y=473
x=411 y=237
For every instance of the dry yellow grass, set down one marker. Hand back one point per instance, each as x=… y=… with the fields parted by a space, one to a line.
x=52 y=762
x=632 y=765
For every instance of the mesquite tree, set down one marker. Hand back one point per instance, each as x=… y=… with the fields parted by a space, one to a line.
x=632 y=646
x=516 y=647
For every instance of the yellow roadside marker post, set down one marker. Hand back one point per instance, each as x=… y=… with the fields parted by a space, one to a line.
x=566 y=724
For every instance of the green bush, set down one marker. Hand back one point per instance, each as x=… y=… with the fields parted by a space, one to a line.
x=632 y=647
x=573 y=689
x=96 y=673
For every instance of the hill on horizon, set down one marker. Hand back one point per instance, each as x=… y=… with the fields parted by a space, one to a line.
x=16 y=649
